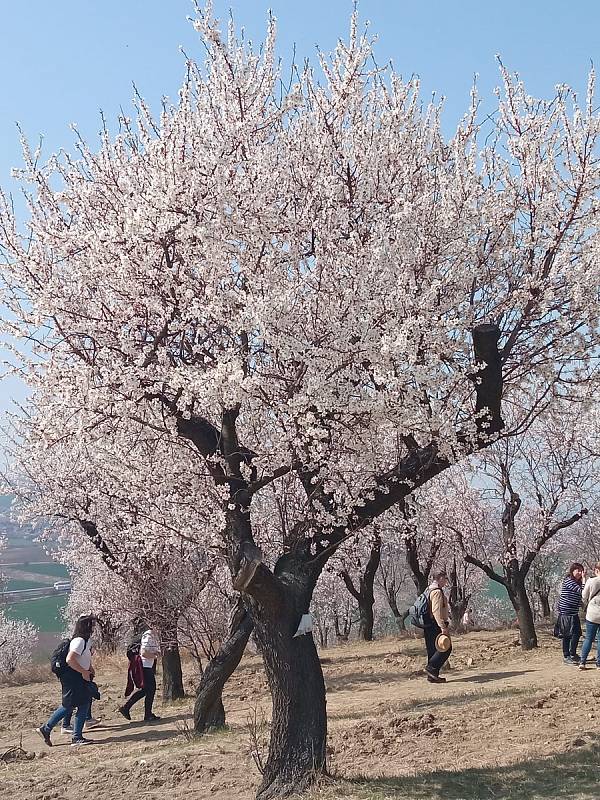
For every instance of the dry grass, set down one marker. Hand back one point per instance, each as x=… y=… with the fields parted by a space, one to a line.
x=572 y=775
x=24 y=676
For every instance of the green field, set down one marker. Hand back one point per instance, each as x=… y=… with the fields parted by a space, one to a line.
x=50 y=568
x=43 y=612
x=15 y=584
x=19 y=541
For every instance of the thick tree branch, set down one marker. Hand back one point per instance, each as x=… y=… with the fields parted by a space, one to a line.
x=345 y=576
x=546 y=535
x=91 y=531
x=489 y=571
x=256 y=579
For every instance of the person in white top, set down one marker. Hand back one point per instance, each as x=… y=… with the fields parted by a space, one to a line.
x=590 y=598
x=75 y=678
x=467 y=620
x=149 y=652
x=90 y=722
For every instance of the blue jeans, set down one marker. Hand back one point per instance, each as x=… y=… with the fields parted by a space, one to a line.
x=67 y=718
x=80 y=718
x=592 y=631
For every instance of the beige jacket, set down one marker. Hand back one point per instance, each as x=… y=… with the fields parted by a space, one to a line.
x=591 y=598
x=438 y=606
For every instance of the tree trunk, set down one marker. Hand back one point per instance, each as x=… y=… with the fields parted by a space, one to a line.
x=366 y=618
x=298 y=742
x=364 y=594
x=297 y=751
x=400 y=620
x=209 y=712
x=520 y=601
x=171 y=666
x=545 y=604
x=457 y=612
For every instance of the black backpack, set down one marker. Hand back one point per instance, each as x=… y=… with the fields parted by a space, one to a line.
x=134 y=647
x=58 y=659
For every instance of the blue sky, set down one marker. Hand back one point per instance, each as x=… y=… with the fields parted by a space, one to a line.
x=62 y=62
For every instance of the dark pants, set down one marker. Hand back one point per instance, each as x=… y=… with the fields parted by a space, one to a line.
x=148 y=691
x=571 y=628
x=436 y=658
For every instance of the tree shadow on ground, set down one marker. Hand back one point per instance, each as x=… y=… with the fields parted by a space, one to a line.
x=464 y=698
x=572 y=774
x=486 y=677
x=336 y=660
x=362 y=680
x=139 y=723
x=139 y=735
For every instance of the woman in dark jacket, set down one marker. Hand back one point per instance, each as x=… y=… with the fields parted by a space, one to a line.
x=568 y=625
x=76 y=683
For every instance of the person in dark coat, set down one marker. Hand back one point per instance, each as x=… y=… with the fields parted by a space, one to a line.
x=76 y=683
x=568 y=624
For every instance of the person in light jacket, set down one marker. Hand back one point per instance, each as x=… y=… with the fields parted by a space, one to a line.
x=437 y=621
x=591 y=600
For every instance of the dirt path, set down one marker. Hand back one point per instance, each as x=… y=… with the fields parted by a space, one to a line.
x=391 y=732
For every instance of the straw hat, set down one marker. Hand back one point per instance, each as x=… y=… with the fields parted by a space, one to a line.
x=443 y=643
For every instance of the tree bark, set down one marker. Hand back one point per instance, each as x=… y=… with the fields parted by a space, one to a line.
x=171 y=666
x=366 y=620
x=545 y=604
x=457 y=612
x=209 y=712
x=399 y=616
x=525 y=619
x=297 y=749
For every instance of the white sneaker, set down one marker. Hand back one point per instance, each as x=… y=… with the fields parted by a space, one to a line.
x=68 y=729
x=91 y=723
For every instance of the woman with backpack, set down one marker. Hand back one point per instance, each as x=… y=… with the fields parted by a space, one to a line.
x=436 y=628
x=72 y=663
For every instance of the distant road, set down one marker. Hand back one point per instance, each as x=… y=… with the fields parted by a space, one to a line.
x=31 y=594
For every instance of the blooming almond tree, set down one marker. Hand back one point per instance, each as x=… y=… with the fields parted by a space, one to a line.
x=393 y=578
x=539 y=486
x=358 y=573
x=18 y=639
x=105 y=519
x=312 y=283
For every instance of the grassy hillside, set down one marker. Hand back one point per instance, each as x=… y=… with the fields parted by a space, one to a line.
x=43 y=612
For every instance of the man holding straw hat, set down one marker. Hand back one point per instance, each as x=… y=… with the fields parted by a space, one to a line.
x=436 y=628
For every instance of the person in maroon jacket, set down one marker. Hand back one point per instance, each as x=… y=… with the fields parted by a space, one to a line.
x=149 y=652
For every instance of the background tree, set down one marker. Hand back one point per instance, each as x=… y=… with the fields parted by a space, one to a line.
x=361 y=584
x=18 y=639
x=541 y=484
x=392 y=578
